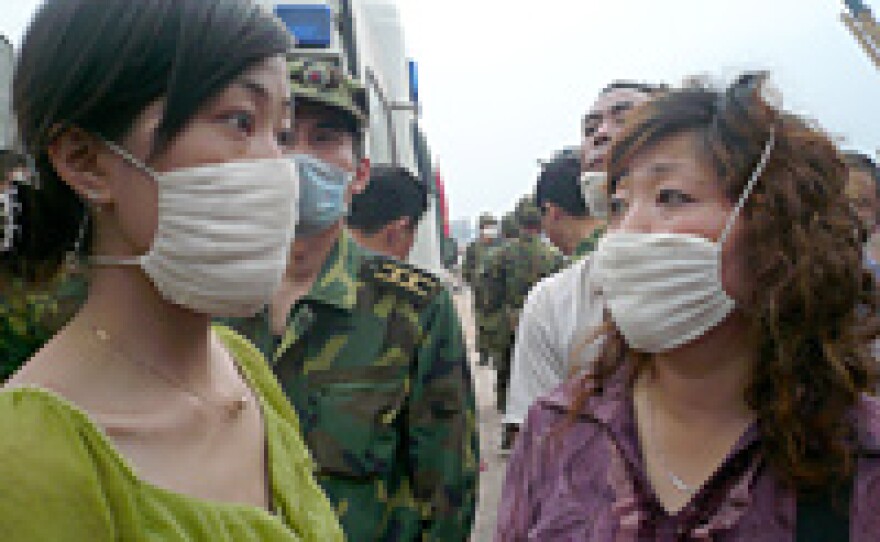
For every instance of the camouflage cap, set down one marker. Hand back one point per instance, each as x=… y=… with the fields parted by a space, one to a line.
x=320 y=77
x=527 y=214
x=487 y=219
x=509 y=226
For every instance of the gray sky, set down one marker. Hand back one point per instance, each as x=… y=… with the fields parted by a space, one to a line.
x=504 y=83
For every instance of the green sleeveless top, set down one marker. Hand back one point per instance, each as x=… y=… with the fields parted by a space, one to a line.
x=63 y=479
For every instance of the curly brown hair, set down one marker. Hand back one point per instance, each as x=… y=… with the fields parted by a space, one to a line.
x=812 y=305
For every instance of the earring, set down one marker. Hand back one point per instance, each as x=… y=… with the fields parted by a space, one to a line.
x=92 y=197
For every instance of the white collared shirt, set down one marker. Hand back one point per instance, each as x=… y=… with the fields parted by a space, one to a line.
x=560 y=316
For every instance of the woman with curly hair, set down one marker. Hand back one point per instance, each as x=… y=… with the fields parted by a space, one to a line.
x=729 y=401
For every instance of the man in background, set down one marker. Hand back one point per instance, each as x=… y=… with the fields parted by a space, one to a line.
x=863 y=190
x=565 y=219
x=385 y=216
x=475 y=257
x=512 y=271
x=368 y=349
x=563 y=311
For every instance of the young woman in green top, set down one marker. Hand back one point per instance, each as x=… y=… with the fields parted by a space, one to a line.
x=154 y=126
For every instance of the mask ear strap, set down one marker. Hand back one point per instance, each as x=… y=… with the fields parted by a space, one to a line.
x=128 y=157
x=750 y=187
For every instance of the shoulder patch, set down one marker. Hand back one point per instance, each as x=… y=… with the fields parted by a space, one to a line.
x=416 y=284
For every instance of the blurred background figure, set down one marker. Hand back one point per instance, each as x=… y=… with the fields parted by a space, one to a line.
x=475 y=257
x=863 y=190
x=29 y=314
x=384 y=217
x=511 y=272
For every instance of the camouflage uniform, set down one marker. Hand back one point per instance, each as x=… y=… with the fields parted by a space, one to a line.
x=496 y=325
x=587 y=245
x=373 y=361
x=511 y=273
x=475 y=258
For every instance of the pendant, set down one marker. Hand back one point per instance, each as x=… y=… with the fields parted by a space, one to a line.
x=679 y=483
x=236 y=407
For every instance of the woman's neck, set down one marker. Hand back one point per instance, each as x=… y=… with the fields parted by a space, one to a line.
x=706 y=380
x=146 y=328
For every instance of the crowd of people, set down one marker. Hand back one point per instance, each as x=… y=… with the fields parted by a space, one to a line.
x=209 y=331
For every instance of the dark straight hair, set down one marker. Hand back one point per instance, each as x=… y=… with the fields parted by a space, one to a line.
x=98 y=64
x=392 y=193
x=559 y=183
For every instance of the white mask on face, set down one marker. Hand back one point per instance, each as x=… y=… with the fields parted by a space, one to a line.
x=594 y=189
x=223 y=235
x=664 y=290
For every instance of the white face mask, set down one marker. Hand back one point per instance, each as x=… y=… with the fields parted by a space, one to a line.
x=224 y=233
x=594 y=189
x=664 y=290
x=19 y=176
x=490 y=232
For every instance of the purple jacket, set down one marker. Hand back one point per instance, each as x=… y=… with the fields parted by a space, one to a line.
x=587 y=483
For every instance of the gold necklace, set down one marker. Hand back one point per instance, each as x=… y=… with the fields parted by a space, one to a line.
x=233 y=408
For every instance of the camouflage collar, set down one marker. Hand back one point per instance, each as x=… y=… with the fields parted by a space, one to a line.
x=588 y=244
x=337 y=283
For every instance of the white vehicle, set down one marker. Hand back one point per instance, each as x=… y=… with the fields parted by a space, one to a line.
x=7 y=128
x=368 y=36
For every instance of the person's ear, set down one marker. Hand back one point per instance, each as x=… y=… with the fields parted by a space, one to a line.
x=80 y=159
x=361 y=176
x=393 y=231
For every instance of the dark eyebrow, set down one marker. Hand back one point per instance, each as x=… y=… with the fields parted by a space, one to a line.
x=662 y=168
x=621 y=107
x=260 y=92
x=590 y=117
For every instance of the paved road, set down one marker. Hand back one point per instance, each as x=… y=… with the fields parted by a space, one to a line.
x=490 y=430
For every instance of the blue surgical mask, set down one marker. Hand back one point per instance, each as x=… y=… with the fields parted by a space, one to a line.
x=321 y=194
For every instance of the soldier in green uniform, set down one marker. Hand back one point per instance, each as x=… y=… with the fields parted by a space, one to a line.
x=511 y=272
x=496 y=326
x=475 y=258
x=369 y=350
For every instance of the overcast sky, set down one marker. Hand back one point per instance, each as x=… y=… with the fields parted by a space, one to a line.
x=504 y=83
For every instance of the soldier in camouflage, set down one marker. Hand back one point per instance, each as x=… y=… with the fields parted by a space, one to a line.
x=511 y=272
x=369 y=350
x=475 y=258
x=496 y=325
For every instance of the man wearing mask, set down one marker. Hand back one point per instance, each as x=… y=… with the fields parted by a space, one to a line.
x=368 y=349
x=565 y=219
x=563 y=311
x=384 y=217
x=475 y=258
